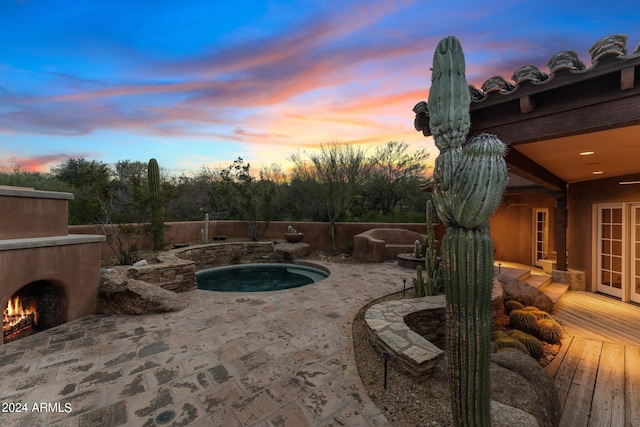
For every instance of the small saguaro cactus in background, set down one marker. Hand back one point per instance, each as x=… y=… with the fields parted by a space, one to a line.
x=418 y=284
x=157 y=216
x=469 y=179
x=431 y=260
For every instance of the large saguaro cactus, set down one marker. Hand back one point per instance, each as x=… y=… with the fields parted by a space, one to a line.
x=157 y=219
x=469 y=179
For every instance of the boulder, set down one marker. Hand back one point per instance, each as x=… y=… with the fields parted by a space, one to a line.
x=119 y=295
x=524 y=293
x=497 y=306
x=520 y=382
x=508 y=416
x=291 y=251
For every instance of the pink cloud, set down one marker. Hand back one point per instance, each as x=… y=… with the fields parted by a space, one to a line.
x=40 y=163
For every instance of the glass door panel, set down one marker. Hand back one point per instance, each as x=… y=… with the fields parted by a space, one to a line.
x=540 y=235
x=634 y=293
x=611 y=262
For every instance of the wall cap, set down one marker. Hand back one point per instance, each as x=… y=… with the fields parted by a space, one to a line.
x=36 y=194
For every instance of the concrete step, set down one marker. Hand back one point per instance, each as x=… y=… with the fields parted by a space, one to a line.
x=515 y=273
x=554 y=290
x=537 y=280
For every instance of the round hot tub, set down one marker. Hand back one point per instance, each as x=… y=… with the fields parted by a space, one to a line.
x=259 y=277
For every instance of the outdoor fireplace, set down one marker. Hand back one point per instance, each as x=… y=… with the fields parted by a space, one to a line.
x=32 y=309
x=47 y=276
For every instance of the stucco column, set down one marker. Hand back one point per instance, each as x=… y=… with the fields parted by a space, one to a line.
x=561 y=231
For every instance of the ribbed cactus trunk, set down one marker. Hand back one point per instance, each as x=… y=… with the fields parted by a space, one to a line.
x=157 y=217
x=431 y=262
x=418 y=284
x=468 y=271
x=469 y=179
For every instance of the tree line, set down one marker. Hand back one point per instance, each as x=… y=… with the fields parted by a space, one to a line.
x=337 y=183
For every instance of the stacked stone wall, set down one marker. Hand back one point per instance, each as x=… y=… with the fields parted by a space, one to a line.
x=168 y=271
x=221 y=254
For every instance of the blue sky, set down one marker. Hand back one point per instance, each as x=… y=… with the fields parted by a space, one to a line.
x=199 y=83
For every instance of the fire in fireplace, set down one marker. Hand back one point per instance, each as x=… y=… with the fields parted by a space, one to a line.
x=20 y=319
x=32 y=309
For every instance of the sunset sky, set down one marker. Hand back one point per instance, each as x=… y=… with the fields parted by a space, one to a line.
x=200 y=82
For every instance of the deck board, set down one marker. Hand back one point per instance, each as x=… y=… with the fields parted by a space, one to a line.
x=608 y=397
x=577 y=406
x=632 y=385
x=567 y=369
x=597 y=370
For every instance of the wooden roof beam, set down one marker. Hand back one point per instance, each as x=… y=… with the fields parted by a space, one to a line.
x=523 y=166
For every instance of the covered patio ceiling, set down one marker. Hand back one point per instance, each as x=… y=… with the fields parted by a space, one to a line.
x=574 y=124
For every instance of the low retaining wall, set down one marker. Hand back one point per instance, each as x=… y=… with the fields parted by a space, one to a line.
x=220 y=254
x=389 y=333
x=168 y=271
x=175 y=270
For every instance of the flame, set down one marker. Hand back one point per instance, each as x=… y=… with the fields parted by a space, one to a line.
x=14 y=313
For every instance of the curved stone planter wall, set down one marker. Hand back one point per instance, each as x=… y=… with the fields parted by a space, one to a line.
x=407 y=349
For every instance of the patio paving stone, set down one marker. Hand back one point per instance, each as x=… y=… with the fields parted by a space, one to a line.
x=274 y=359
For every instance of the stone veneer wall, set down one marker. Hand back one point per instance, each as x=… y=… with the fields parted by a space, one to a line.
x=175 y=270
x=167 y=270
x=220 y=254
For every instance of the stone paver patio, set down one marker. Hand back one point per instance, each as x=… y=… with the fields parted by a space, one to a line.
x=282 y=358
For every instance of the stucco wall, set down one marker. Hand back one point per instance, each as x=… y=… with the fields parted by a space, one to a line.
x=30 y=213
x=581 y=198
x=316 y=233
x=511 y=226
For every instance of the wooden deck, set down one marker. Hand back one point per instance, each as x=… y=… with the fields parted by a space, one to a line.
x=597 y=371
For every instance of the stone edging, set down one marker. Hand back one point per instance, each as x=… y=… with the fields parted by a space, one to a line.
x=389 y=333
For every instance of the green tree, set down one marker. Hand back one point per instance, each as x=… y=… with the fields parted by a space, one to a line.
x=395 y=175
x=194 y=196
x=247 y=197
x=341 y=170
x=15 y=176
x=92 y=182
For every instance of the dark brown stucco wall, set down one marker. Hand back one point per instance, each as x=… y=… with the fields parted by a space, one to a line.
x=582 y=196
x=511 y=226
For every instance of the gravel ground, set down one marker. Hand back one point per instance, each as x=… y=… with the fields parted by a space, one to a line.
x=405 y=403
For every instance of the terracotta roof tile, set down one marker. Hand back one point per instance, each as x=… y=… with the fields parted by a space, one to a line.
x=605 y=50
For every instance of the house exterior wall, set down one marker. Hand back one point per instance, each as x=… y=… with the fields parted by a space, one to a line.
x=511 y=226
x=581 y=197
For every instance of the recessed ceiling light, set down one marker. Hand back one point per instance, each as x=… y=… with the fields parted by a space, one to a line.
x=586 y=153
x=598 y=172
